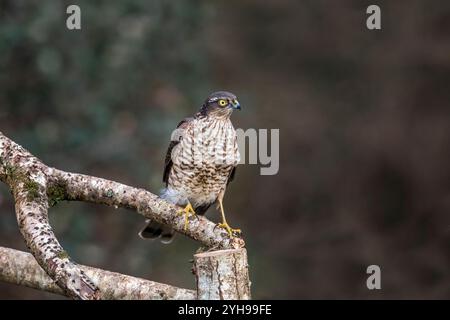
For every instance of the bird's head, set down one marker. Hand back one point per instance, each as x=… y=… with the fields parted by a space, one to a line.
x=220 y=104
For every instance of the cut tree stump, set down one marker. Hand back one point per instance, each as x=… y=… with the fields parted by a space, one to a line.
x=222 y=275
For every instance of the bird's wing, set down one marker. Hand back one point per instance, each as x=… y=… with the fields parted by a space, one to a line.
x=174 y=141
x=231 y=176
x=233 y=171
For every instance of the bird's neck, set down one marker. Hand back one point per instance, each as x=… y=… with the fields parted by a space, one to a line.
x=217 y=114
x=214 y=126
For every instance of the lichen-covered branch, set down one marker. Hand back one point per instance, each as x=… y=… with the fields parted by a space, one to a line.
x=20 y=268
x=74 y=186
x=35 y=186
x=23 y=173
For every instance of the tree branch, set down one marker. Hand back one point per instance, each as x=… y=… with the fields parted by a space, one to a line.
x=97 y=190
x=20 y=268
x=23 y=173
x=35 y=186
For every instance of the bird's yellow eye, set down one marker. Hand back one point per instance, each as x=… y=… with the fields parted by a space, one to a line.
x=223 y=102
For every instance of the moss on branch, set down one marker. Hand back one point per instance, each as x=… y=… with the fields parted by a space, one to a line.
x=56 y=193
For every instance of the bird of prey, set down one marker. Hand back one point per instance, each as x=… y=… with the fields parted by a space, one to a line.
x=200 y=162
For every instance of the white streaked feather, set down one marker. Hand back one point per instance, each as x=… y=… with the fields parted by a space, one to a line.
x=200 y=166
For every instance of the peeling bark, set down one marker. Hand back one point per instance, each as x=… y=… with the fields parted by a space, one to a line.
x=222 y=275
x=20 y=268
x=35 y=186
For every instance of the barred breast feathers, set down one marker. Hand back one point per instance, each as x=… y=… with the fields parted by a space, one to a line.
x=207 y=142
x=203 y=159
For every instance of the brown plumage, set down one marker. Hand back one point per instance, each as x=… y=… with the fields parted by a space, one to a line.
x=200 y=162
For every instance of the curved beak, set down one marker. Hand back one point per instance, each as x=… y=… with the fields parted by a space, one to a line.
x=236 y=105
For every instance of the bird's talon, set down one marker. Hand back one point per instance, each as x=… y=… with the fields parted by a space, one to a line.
x=231 y=232
x=187 y=211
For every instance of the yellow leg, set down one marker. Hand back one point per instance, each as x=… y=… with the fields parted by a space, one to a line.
x=187 y=211
x=224 y=223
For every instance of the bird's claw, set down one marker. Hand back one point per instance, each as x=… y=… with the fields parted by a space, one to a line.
x=187 y=211
x=231 y=232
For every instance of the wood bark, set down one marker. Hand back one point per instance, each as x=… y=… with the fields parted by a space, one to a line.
x=36 y=187
x=21 y=268
x=222 y=275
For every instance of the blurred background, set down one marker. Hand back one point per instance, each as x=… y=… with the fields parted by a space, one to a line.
x=364 y=119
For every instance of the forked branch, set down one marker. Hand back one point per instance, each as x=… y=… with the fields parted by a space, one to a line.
x=35 y=186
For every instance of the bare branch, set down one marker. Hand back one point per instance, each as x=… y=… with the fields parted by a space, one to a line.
x=81 y=187
x=22 y=172
x=20 y=268
x=35 y=186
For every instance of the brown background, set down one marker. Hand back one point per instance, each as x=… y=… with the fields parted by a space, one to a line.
x=364 y=133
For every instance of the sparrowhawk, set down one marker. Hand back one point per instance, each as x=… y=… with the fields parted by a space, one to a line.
x=200 y=162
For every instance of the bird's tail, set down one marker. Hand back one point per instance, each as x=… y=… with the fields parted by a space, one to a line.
x=154 y=230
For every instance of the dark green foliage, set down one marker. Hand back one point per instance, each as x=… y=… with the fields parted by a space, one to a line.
x=71 y=92
x=101 y=101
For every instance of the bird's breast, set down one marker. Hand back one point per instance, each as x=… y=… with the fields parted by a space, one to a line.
x=209 y=145
x=203 y=160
